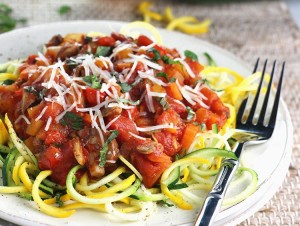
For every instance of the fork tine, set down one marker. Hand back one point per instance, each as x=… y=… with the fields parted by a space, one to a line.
x=277 y=98
x=254 y=104
x=244 y=103
x=266 y=99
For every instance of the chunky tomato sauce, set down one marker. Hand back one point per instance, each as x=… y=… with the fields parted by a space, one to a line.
x=68 y=102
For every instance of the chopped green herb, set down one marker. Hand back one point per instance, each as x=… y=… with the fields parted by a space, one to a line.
x=31 y=89
x=191 y=113
x=26 y=195
x=165 y=203
x=172 y=80
x=125 y=101
x=72 y=120
x=93 y=80
x=177 y=186
x=191 y=55
x=64 y=9
x=114 y=134
x=162 y=74
x=87 y=39
x=163 y=102
x=102 y=51
x=214 y=128
x=168 y=60
x=156 y=56
x=58 y=199
x=125 y=87
x=203 y=127
x=210 y=60
x=8 y=82
x=71 y=64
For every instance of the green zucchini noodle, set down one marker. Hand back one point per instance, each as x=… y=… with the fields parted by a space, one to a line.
x=122 y=191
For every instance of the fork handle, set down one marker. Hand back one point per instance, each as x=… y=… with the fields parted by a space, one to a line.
x=215 y=197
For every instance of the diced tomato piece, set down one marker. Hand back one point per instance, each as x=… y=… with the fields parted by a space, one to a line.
x=53 y=110
x=125 y=126
x=55 y=137
x=106 y=41
x=195 y=66
x=151 y=171
x=118 y=36
x=167 y=117
x=176 y=71
x=169 y=142
x=92 y=94
x=131 y=113
x=173 y=91
x=206 y=116
x=50 y=158
x=177 y=106
x=31 y=59
x=59 y=160
x=143 y=40
x=189 y=135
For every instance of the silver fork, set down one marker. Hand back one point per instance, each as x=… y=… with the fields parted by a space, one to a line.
x=251 y=130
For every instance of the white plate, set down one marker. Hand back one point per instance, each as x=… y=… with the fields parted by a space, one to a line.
x=270 y=160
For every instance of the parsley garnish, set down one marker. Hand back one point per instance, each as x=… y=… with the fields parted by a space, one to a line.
x=102 y=51
x=93 y=80
x=191 y=55
x=72 y=120
x=114 y=134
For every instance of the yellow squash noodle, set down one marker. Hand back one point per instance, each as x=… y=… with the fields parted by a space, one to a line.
x=45 y=208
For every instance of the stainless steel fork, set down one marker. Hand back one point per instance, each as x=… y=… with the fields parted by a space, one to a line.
x=256 y=130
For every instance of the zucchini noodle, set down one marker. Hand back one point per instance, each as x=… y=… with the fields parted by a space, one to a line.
x=108 y=171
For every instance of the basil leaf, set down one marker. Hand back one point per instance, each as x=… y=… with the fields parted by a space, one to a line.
x=87 y=39
x=102 y=51
x=162 y=74
x=93 y=81
x=163 y=102
x=8 y=82
x=177 y=186
x=168 y=60
x=72 y=120
x=126 y=101
x=191 y=55
x=156 y=56
x=210 y=60
x=71 y=64
x=125 y=87
x=172 y=80
x=114 y=134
